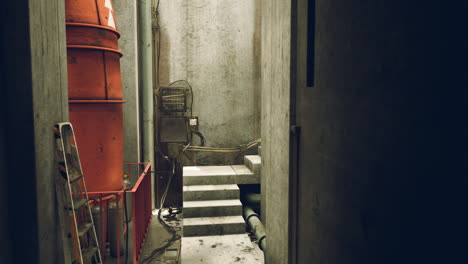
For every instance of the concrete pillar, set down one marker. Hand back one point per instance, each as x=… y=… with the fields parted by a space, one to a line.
x=368 y=134
x=126 y=16
x=276 y=56
x=34 y=93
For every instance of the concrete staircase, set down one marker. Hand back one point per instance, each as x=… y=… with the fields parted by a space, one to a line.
x=211 y=197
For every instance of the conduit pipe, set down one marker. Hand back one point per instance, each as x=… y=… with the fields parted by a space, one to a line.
x=146 y=77
x=253 y=198
x=253 y=220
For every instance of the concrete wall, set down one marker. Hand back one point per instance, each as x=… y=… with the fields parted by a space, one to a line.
x=126 y=16
x=368 y=149
x=276 y=56
x=34 y=90
x=215 y=46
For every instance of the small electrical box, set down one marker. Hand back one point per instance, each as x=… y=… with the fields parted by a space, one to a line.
x=193 y=123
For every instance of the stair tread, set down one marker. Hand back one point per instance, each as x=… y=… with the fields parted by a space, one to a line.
x=212 y=203
x=222 y=187
x=193 y=171
x=215 y=220
x=256 y=159
x=242 y=170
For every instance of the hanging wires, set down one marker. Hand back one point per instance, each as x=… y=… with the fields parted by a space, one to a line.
x=169 y=229
x=241 y=148
x=169 y=243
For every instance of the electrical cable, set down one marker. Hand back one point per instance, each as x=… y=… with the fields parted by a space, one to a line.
x=180 y=153
x=162 y=153
x=240 y=148
x=160 y=250
x=202 y=138
x=168 y=228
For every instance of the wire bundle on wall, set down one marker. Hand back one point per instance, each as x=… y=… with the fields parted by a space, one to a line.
x=241 y=148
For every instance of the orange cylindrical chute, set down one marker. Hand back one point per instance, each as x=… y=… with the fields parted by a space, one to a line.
x=92 y=50
x=95 y=91
x=99 y=134
x=95 y=12
x=94 y=74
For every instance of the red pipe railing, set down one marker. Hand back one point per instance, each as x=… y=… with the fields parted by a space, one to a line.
x=141 y=211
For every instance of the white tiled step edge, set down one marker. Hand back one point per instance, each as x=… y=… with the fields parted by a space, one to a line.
x=211 y=192
x=210 y=226
x=213 y=175
x=212 y=208
x=254 y=163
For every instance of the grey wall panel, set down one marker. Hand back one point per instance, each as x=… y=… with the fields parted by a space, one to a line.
x=215 y=45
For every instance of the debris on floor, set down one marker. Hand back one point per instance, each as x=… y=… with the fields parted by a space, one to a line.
x=237 y=249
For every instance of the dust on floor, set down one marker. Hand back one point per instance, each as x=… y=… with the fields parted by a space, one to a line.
x=226 y=249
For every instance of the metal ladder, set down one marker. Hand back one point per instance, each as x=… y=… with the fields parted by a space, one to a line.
x=75 y=196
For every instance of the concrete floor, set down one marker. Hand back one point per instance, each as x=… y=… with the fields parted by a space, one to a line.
x=220 y=249
x=157 y=237
x=205 y=249
x=224 y=249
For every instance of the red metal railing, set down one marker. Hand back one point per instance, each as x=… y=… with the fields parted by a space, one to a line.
x=141 y=213
x=110 y=207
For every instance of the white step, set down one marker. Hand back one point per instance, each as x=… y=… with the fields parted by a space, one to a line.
x=210 y=226
x=212 y=208
x=254 y=163
x=211 y=192
x=216 y=175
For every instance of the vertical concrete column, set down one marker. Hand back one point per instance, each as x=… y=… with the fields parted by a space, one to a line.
x=276 y=56
x=126 y=16
x=34 y=89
